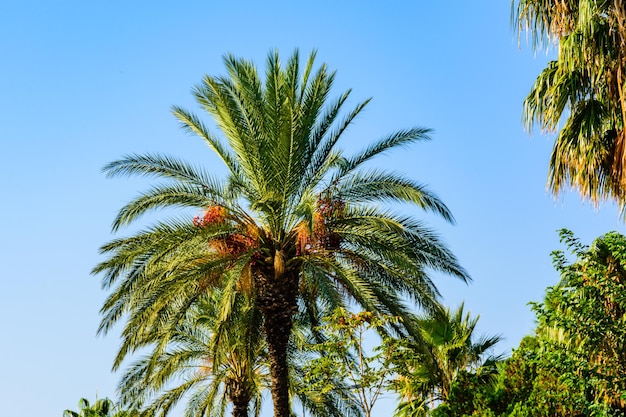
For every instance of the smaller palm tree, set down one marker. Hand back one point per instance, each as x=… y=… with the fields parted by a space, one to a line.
x=101 y=408
x=429 y=368
x=214 y=358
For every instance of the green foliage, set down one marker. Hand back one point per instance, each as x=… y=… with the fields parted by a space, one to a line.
x=575 y=364
x=346 y=363
x=532 y=383
x=584 y=318
x=471 y=393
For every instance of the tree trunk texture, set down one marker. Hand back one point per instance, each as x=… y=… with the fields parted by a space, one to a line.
x=240 y=407
x=276 y=298
x=239 y=394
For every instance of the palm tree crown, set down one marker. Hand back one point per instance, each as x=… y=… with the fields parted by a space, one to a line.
x=448 y=346
x=584 y=88
x=296 y=225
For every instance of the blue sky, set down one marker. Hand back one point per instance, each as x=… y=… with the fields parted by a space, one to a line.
x=83 y=83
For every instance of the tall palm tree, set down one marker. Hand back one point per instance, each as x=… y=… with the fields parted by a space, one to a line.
x=448 y=346
x=584 y=87
x=294 y=224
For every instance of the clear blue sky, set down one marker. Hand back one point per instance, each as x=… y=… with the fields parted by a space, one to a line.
x=85 y=82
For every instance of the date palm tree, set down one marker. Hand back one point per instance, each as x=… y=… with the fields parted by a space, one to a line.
x=584 y=90
x=295 y=225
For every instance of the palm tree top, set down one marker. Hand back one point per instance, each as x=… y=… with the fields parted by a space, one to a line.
x=580 y=95
x=279 y=144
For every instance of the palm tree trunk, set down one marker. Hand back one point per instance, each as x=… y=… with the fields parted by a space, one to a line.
x=239 y=396
x=276 y=298
x=277 y=330
x=240 y=407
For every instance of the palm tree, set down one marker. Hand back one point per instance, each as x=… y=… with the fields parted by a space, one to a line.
x=448 y=346
x=103 y=407
x=585 y=87
x=216 y=359
x=294 y=224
